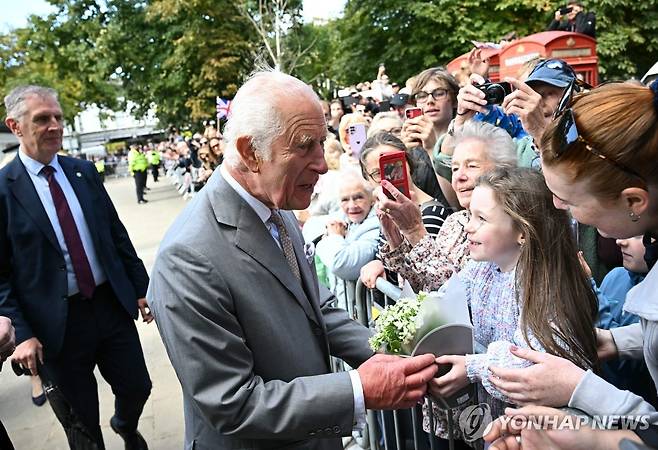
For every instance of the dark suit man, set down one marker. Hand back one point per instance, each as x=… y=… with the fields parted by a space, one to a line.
x=237 y=301
x=70 y=279
x=576 y=20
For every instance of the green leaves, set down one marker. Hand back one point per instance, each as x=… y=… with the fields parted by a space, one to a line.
x=175 y=56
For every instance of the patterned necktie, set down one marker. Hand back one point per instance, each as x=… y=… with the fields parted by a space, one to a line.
x=286 y=243
x=81 y=266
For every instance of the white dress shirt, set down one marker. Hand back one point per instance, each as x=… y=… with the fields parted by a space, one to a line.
x=40 y=183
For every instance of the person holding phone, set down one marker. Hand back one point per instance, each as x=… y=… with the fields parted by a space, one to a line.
x=350 y=157
x=574 y=18
x=433 y=213
x=435 y=93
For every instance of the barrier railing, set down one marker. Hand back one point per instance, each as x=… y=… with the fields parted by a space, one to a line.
x=360 y=306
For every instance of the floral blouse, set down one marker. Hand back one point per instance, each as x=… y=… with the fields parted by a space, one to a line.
x=432 y=261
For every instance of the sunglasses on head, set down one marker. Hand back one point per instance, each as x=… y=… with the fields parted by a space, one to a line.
x=568 y=134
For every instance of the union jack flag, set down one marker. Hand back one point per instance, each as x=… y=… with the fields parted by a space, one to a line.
x=223 y=108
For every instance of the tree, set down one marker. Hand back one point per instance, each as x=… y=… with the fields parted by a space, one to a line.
x=173 y=56
x=414 y=35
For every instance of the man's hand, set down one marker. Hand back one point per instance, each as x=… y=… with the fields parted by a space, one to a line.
x=337 y=227
x=7 y=338
x=144 y=310
x=370 y=272
x=452 y=381
x=391 y=382
x=558 y=15
x=550 y=381
x=528 y=106
x=606 y=348
x=404 y=213
x=419 y=130
x=27 y=352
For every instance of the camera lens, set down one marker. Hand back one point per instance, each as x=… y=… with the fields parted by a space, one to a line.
x=495 y=94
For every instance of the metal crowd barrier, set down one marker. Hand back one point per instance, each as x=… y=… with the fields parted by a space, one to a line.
x=359 y=302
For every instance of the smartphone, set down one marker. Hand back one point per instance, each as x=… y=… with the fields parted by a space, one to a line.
x=393 y=168
x=356 y=137
x=411 y=113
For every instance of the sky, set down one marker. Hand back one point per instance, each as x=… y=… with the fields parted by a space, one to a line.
x=15 y=13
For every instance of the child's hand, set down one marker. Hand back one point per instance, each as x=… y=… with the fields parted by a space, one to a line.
x=454 y=380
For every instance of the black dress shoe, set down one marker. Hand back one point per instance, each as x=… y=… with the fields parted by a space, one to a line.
x=142 y=201
x=133 y=439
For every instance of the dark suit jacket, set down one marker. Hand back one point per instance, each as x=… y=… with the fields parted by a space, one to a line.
x=33 y=282
x=585 y=23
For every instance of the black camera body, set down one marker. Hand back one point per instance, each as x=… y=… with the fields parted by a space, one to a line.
x=566 y=10
x=495 y=93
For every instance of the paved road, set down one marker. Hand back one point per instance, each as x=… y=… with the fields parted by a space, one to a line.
x=33 y=428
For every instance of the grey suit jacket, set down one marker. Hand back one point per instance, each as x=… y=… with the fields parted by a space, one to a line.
x=249 y=343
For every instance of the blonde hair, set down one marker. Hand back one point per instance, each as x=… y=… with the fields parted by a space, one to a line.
x=345 y=122
x=619 y=120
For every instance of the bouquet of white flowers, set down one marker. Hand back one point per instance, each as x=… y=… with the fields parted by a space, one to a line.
x=401 y=326
x=396 y=326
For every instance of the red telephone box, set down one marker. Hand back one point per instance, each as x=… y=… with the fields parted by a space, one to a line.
x=578 y=50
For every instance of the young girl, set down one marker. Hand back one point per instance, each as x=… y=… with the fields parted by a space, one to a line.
x=524 y=284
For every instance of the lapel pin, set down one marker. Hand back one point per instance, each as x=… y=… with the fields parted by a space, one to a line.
x=78 y=174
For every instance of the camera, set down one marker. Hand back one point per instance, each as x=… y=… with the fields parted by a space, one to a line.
x=495 y=92
x=566 y=10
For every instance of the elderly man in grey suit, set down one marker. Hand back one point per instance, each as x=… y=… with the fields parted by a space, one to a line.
x=237 y=302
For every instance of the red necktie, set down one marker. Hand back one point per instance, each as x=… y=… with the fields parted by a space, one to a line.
x=81 y=266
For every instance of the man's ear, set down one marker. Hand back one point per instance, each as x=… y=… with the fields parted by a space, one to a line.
x=636 y=200
x=247 y=153
x=13 y=126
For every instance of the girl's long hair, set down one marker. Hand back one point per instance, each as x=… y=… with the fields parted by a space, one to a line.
x=558 y=304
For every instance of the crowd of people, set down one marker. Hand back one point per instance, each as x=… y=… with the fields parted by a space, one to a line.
x=545 y=205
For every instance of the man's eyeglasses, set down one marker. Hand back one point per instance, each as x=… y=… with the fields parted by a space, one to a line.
x=437 y=94
x=568 y=134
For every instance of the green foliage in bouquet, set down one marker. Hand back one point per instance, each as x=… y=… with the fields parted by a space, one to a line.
x=396 y=326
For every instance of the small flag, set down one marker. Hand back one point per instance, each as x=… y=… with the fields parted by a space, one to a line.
x=223 y=108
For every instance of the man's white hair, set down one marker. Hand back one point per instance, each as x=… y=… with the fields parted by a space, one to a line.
x=15 y=100
x=255 y=112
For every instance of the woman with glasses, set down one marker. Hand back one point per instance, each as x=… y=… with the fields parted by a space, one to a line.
x=600 y=160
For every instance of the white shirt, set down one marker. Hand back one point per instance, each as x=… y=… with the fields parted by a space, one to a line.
x=264 y=213
x=40 y=183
